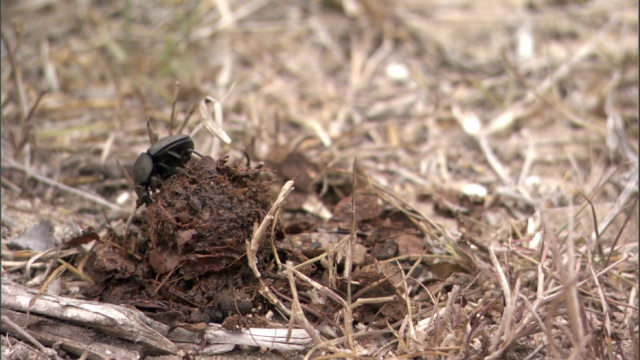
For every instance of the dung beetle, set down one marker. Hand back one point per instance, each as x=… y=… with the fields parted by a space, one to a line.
x=159 y=163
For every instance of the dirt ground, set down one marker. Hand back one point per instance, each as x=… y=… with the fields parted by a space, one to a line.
x=465 y=173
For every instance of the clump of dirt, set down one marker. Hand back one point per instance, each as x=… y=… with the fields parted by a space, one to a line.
x=193 y=258
x=203 y=217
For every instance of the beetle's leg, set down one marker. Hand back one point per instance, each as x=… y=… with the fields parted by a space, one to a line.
x=176 y=155
x=155 y=182
x=166 y=171
x=197 y=153
x=143 y=195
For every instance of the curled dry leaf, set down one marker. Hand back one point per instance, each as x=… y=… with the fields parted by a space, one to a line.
x=368 y=207
x=38 y=237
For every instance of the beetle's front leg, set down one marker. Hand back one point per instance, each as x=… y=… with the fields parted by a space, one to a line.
x=143 y=195
x=155 y=182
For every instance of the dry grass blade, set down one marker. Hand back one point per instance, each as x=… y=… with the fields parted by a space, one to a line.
x=254 y=243
x=297 y=315
x=411 y=337
x=605 y=309
x=612 y=248
x=152 y=133
x=172 y=121
x=10 y=325
x=471 y=124
x=275 y=339
x=436 y=231
x=569 y=271
x=630 y=325
x=371 y=301
x=348 y=264
x=213 y=125
x=597 y=243
x=325 y=290
x=106 y=149
x=516 y=110
x=227 y=17
x=505 y=334
x=17 y=77
x=11 y=164
x=631 y=189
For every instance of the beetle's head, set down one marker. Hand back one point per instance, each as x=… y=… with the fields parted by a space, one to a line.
x=143 y=169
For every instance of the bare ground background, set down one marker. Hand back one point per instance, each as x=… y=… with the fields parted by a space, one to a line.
x=508 y=130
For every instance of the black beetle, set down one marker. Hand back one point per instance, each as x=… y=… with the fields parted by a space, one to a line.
x=159 y=163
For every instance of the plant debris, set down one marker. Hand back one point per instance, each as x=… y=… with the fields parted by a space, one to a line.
x=491 y=210
x=190 y=252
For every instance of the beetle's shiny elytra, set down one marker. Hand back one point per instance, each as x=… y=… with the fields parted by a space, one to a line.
x=159 y=163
